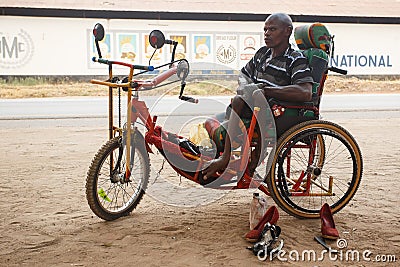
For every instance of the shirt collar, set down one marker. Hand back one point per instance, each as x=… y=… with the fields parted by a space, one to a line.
x=286 y=53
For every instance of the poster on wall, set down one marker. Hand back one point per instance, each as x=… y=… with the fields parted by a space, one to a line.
x=202 y=48
x=181 y=48
x=226 y=50
x=127 y=45
x=248 y=46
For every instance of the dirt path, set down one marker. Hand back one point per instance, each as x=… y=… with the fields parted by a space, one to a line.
x=45 y=219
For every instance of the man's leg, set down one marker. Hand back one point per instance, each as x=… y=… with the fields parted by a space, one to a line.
x=222 y=162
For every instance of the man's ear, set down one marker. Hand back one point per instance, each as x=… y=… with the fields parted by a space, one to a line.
x=289 y=30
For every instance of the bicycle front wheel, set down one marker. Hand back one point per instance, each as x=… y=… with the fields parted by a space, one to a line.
x=109 y=193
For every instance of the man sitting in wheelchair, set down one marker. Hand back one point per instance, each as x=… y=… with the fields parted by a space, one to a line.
x=276 y=73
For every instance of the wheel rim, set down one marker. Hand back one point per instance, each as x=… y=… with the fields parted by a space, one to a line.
x=114 y=195
x=339 y=161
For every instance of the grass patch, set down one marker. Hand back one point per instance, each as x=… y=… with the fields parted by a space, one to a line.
x=40 y=87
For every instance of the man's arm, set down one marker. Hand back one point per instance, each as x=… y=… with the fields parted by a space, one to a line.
x=300 y=89
x=291 y=93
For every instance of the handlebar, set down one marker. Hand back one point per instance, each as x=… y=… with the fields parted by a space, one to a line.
x=337 y=70
x=156 y=40
x=139 y=85
x=189 y=99
x=170 y=42
x=108 y=62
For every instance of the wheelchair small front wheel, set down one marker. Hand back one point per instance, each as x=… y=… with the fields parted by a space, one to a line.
x=316 y=162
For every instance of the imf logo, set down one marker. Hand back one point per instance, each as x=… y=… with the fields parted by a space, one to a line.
x=15 y=49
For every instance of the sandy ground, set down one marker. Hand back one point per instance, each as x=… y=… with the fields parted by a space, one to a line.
x=45 y=219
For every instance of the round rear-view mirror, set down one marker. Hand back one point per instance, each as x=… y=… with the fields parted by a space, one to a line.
x=98 y=32
x=182 y=70
x=156 y=39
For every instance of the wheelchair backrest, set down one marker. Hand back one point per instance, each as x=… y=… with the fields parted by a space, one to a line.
x=318 y=63
x=314 y=40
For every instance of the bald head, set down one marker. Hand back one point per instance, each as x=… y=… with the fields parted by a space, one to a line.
x=281 y=18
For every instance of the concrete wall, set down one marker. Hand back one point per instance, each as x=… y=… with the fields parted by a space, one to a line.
x=64 y=46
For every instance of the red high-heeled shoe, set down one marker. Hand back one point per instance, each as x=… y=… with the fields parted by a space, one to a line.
x=328 y=229
x=270 y=216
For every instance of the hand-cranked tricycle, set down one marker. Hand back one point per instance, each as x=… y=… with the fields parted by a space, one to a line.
x=312 y=163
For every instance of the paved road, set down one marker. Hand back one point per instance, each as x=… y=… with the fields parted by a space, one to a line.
x=96 y=107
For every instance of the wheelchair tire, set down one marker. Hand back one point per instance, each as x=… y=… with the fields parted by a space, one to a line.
x=315 y=162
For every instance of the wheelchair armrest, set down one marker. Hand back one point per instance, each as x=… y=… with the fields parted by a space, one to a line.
x=287 y=104
x=296 y=104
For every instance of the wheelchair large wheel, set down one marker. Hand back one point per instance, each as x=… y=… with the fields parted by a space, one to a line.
x=316 y=162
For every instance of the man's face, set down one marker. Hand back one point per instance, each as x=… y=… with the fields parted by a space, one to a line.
x=276 y=34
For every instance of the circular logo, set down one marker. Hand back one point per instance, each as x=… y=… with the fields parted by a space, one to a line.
x=226 y=55
x=16 y=50
x=249 y=43
x=341 y=243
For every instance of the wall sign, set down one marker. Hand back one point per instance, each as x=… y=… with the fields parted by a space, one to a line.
x=16 y=49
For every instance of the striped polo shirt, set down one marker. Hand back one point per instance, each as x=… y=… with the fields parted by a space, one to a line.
x=289 y=68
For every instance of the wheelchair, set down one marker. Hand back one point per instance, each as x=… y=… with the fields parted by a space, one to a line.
x=313 y=161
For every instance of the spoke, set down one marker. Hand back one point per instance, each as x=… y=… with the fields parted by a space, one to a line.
x=330 y=153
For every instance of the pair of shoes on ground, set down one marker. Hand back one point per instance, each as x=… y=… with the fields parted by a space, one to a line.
x=328 y=228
